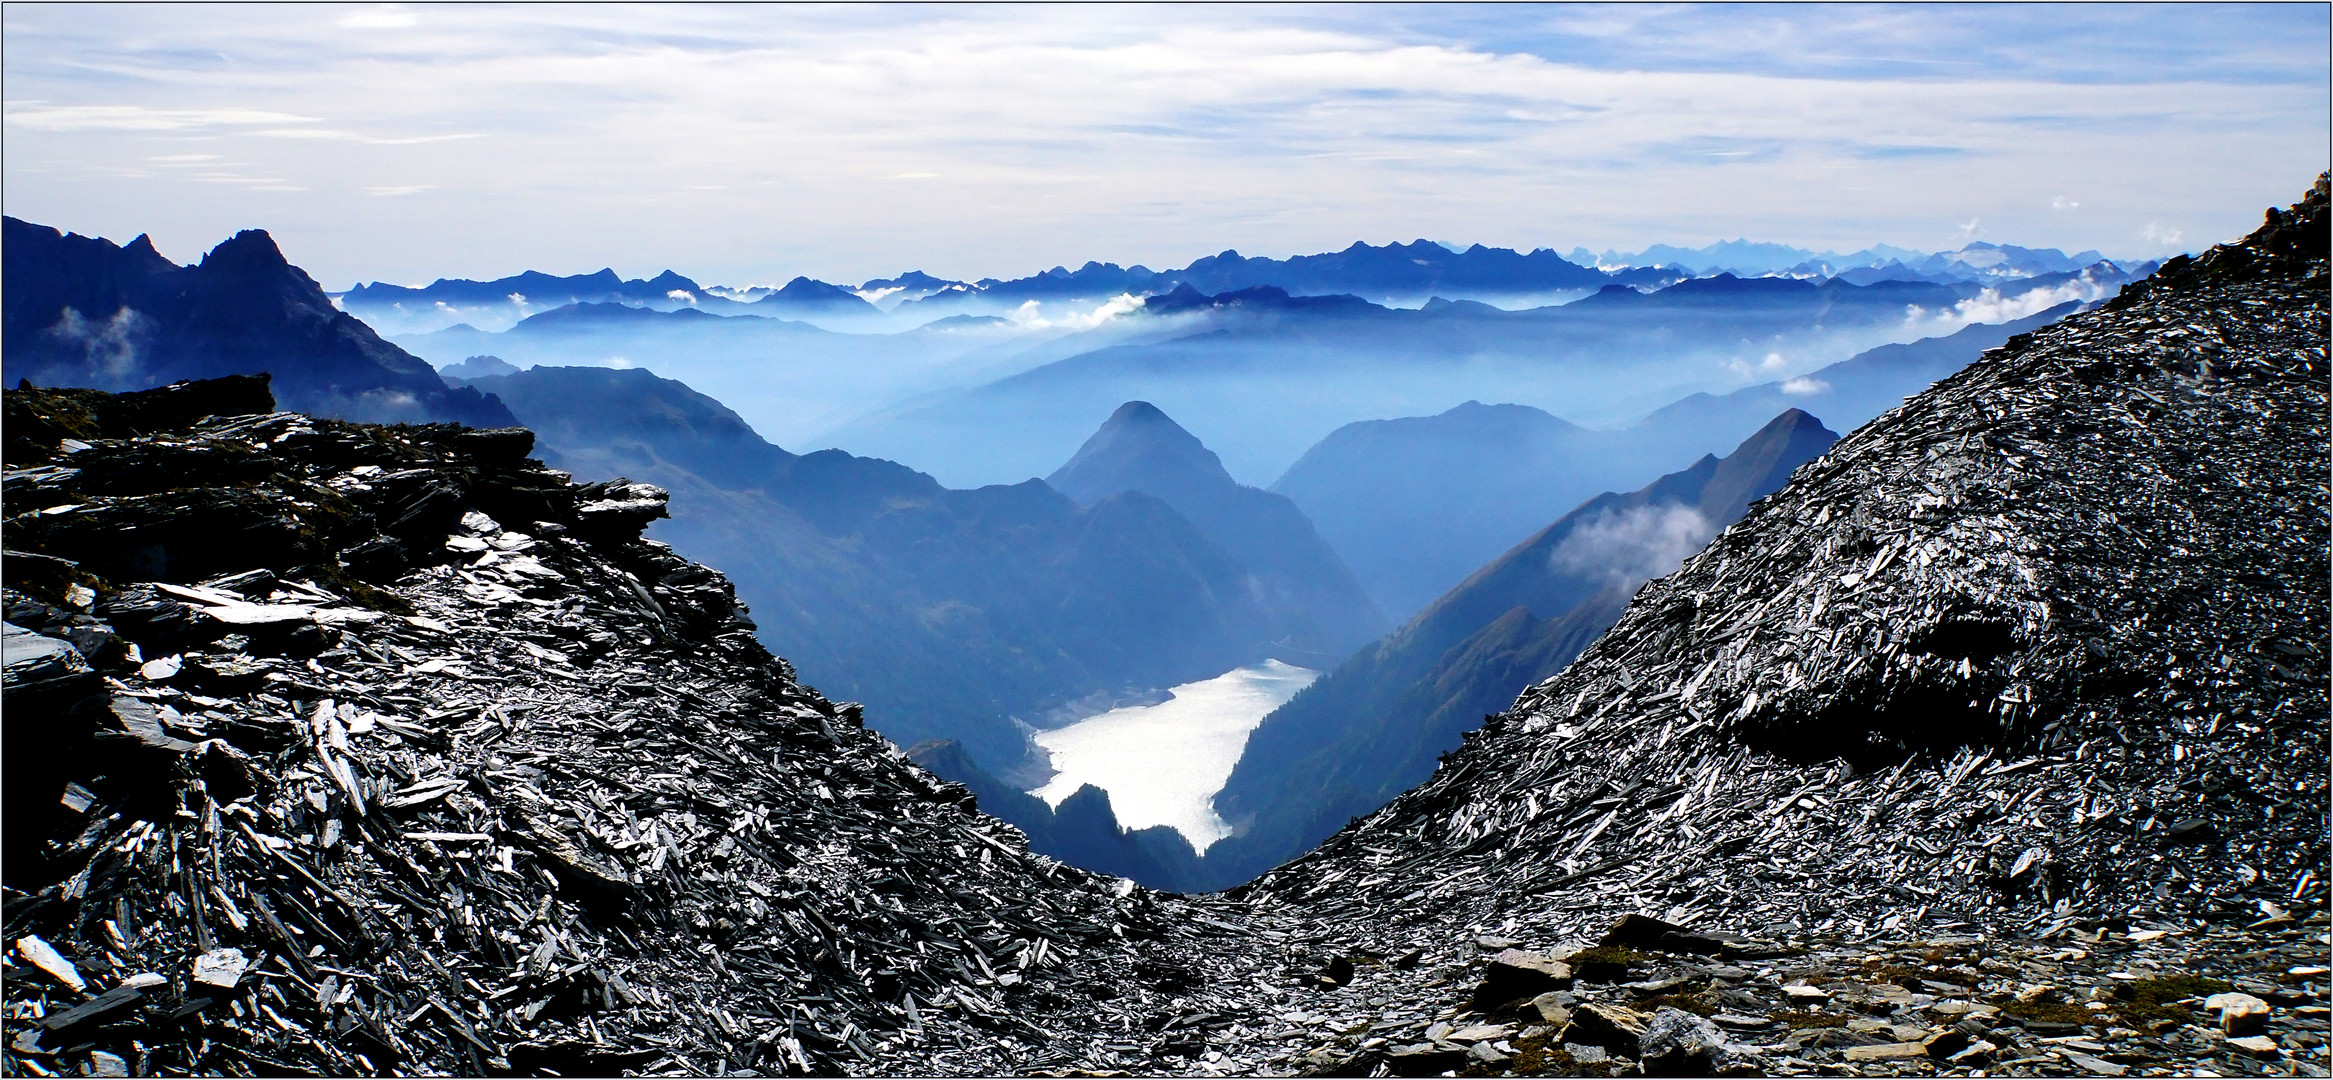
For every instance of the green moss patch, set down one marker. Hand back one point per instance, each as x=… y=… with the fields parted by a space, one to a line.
x=1539 y=1055
x=2051 y=1012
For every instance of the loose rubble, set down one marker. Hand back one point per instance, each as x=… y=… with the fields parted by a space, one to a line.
x=2033 y=664
x=1992 y=744
x=395 y=751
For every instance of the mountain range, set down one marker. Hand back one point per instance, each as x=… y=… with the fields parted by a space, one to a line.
x=1978 y=260
x=1140 y=449
x=1262 y=374
x=83 y=311
x=1395 y=273
x=1414 y=504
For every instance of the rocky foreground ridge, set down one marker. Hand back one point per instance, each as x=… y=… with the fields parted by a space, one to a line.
x=1994 y=741
x=350 y=749
x=2039 y=655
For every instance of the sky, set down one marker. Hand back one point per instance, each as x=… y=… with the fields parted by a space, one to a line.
x=748 y=144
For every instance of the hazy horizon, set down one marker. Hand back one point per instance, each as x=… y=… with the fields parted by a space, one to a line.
x=749 y=145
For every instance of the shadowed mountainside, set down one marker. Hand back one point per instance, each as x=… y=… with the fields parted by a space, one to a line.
x=1324 y=613
x=1375 y=726
x=81 y=311
x=952 y=614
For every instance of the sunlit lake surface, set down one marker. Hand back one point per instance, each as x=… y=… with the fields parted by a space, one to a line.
x=1162 y=763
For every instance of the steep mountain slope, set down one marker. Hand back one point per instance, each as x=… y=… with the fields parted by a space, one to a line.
x=950 y=614
x=1320 y=610
x=80 y=311
x=1414 y=504
x=2042 y=648
x=537 y=802
x=1375 y=726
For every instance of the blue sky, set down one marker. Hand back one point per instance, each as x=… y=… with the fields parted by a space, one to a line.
x=749 y=144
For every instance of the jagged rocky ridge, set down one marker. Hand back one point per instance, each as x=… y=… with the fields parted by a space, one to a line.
x=367 y=749
x=80 y=311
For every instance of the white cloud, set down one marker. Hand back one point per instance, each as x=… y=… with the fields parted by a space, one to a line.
x=1990 y=306
x=110 y=346
x=2064 y=203
x=383 y=17
x=70 y=118
x=331 y=135
x=1128 y=134
x=1031 y=314
x=1625 y=547
x=682 y=295
x=1804 y=385
x=2161 y=235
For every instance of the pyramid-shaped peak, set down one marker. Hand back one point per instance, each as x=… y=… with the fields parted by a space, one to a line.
x=1140 y=412
x=1139 y=448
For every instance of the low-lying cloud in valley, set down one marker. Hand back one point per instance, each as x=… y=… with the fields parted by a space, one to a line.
x=110 y=345
x=1623 y=547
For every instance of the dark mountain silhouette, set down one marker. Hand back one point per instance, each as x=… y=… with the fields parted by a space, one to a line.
x=542 y=291
x=949 y=613
x=1183 y=298
x=1419 y=268
x=1320 y=612
x=81 y=311
x=1083 y=831
x=912 y=285
x=476 y=367
x=590 y=317
x=1411 y=272
x=1377 y=724
x=804 y=296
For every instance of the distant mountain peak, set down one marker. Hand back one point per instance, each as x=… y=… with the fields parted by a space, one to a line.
x=1142 y=412
x=249 y=250
x=1137 y=447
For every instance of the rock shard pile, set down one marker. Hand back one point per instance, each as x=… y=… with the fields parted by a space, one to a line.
x=345 y=749
x=2045 y=645
x=2042 y=652
x=1994 y=741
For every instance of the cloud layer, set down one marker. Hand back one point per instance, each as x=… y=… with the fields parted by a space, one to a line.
x=752 y=143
